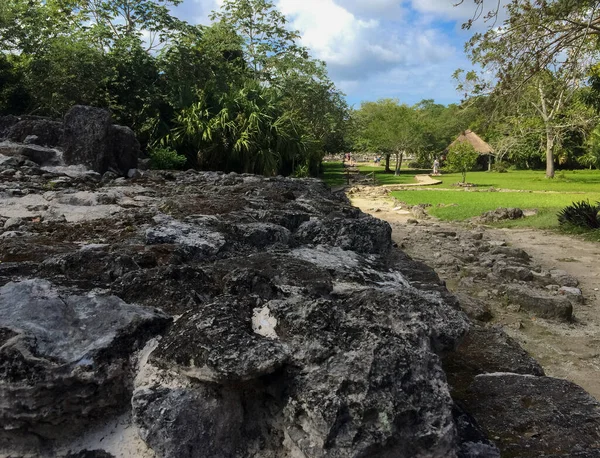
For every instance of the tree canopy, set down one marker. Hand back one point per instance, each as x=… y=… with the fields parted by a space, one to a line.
x=239 y=95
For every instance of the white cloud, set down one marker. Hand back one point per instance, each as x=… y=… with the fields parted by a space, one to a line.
x=375 y=48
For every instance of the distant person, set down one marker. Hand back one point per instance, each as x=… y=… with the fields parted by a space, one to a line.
x=436 y=167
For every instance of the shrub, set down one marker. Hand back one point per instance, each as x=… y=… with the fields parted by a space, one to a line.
x=580 y=214
x=165 y=158
x=499 y=167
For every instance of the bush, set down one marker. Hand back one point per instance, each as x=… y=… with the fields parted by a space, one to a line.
x=165 y=158
x=499 y=167
x=580 y=214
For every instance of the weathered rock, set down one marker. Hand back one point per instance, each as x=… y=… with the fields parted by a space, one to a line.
x=45 y=131
x=90 y=139
x=207 y=421
x=573 y=294
x=364 y=235
x=531 y=416
x=474 y=308
x=6 y=122
x=86 y=138
x=125 y=150
x=539 y=302
x=65 y=357
x=484 y=351
x=563 y=278
x=40 y=155
x=512 y=272
x=500 y=214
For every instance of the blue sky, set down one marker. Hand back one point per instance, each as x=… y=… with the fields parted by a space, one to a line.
x=404 y=49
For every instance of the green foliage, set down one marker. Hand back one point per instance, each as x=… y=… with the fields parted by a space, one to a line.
x=580 y=214
x=164 y=158
x=462 y=158
x=499 y=167
x=240 y=95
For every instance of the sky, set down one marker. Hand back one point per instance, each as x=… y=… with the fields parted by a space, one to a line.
x=403 y=49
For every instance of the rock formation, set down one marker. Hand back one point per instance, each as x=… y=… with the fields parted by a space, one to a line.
x=86 y=137
x=208 y=315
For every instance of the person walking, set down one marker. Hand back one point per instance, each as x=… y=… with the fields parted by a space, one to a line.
x=436 y=167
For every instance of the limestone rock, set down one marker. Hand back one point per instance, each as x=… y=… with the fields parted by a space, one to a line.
x=46 y=132
x=563 y=278
x=40 y=155
x=539 y=302
x=535 y=416
x=90 y=139
x=64 y=356
x=125 y=149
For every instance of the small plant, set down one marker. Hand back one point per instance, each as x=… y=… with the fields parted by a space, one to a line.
x=462 y=157
x=301 y=171
x=165 y=158
x=580 y=214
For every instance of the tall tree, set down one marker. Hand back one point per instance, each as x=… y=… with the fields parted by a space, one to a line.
x=389 y=128
x=541 y=53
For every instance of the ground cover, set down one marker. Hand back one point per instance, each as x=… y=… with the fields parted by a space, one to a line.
x=334 y=174
x=463 y=204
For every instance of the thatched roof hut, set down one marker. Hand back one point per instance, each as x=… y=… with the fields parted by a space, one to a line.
x=475 y=140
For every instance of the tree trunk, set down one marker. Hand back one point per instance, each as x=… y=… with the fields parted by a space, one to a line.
x=387 y=163
x=398 y=163
x=549 y=153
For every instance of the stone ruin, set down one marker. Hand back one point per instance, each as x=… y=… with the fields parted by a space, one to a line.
x=201 y=314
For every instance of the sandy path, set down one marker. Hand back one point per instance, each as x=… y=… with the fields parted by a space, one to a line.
x=565 y=350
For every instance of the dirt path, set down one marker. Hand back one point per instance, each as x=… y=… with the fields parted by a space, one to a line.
x=565 y=350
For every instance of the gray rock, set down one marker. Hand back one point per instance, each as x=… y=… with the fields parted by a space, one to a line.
x=563 y=278
x=12 y=223
x=86 y=138
x=90 y=139
x=197 y=241
x=531 y=416
x=6 y=122
x=573 y=294
x=475 y=308
x=512 y=272
x=364 y=235
x=205 y=422
x=134 y=173
x=40 y=155
x=40 y=131
x=483 y=351
x=125 y=150
x=64 y=357
x=500 y=214
x=540 y=302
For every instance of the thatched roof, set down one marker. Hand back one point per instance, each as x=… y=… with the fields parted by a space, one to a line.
x=475 y=140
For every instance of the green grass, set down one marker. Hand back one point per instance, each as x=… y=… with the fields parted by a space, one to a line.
x=450 y=202
x=334 y=174
x=463 y=204
x=564 y=181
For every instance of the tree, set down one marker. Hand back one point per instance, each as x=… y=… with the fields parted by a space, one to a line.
x=541 y=53
x=462 y=157
x=591 y=158
x=268 y=45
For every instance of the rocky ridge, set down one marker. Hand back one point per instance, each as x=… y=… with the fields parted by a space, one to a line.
x=208 y=315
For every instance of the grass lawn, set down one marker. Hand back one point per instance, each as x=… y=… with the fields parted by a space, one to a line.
x=565 y=181
x=532 y=190
x=334 y=174
x=461 y=205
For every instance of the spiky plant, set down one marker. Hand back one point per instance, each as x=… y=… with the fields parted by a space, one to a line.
x=580 y=214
